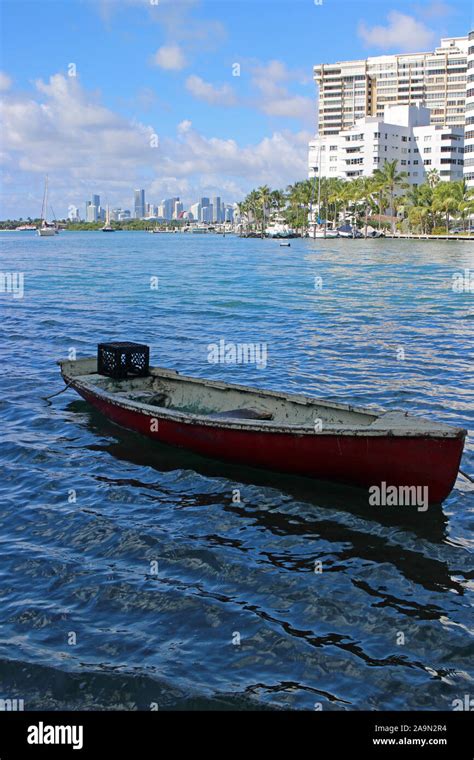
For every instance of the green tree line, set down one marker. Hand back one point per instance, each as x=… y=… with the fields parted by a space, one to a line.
x=431 y=207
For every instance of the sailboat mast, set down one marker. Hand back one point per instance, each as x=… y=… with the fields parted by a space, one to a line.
x=45 y=199
x=319 y=184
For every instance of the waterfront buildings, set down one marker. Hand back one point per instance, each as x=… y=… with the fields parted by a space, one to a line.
x=404 y=133
x=417 y=108
x=350 y=90
x=469 y=127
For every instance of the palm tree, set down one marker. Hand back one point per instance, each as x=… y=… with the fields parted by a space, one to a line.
x=334 y=196
x=432 y=177
x=253 y=201
x=444 y=200
x=390 y=180
x=244 y=211
x=464 y=198
x=264 y=197
x=300 y=197
x=278 y=200
x=365 y=187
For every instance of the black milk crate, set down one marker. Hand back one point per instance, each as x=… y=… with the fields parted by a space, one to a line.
x=121 y=359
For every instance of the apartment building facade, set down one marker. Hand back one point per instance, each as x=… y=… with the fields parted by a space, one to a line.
x=469 y=127
x=404 y=133
x=351 y=90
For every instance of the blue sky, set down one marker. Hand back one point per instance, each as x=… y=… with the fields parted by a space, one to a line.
x=108 y=95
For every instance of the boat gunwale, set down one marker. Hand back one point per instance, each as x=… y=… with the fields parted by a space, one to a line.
x=438 y=430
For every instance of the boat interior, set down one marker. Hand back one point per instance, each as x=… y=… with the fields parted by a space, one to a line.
x=166 y=389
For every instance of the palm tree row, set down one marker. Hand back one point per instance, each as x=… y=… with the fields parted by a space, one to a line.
x=385 y=197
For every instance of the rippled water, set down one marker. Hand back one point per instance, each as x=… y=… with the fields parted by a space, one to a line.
x=167 y=633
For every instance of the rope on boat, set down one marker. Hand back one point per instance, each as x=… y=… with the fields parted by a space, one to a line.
x=46 y=398
x=469 y=477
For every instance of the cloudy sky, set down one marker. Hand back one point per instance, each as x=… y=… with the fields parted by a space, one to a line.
x=181 y=97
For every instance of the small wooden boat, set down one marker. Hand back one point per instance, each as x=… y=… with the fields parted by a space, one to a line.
x=277 y=431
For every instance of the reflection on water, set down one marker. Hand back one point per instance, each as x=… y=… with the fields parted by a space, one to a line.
x=196 y=584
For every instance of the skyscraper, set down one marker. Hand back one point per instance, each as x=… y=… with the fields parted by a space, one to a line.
x=91 y=212
x=168 y=207
x=207 y=213
x=73 y=214
x=216 y=210
x=196 y=211
x=178 y=209
x=469 y=129
x=139 y=204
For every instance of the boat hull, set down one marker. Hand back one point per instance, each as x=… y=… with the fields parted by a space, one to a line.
x=365 y=461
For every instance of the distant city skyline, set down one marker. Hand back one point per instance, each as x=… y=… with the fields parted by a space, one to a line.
x=206 y=209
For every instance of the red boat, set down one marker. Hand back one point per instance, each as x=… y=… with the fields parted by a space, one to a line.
x=287 y=433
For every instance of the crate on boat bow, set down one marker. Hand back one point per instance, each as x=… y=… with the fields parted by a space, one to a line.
x=121 y=359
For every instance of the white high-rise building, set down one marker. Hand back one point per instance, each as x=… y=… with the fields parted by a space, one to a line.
x=73 y=214
x=350 y=90
x=469 y=128
x=168 y=207
x=178 y=209
x=403 y=134
x=91 y=212
x=196 y=211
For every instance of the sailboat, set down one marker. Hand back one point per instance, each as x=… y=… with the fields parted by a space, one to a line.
x=46 y=230
x=107 y=226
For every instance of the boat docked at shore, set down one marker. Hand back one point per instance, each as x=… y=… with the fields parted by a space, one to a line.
x=46 y=229
x=316 y=231
x=279 y=229
x=293 y=434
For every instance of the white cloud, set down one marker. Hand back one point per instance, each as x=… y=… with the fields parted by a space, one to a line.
x=206 y=91
x=402 y=32
x=274 y=98
x=184 y=126
x=66 y=132
x=436 y=9
x=5 y=81
x=170 y=57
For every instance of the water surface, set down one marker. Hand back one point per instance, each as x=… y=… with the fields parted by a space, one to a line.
x=142 y=555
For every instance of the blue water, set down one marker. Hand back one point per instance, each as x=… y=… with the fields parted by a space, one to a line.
x=129 y=571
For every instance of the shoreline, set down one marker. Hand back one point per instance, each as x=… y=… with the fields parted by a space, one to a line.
x=387 y=236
